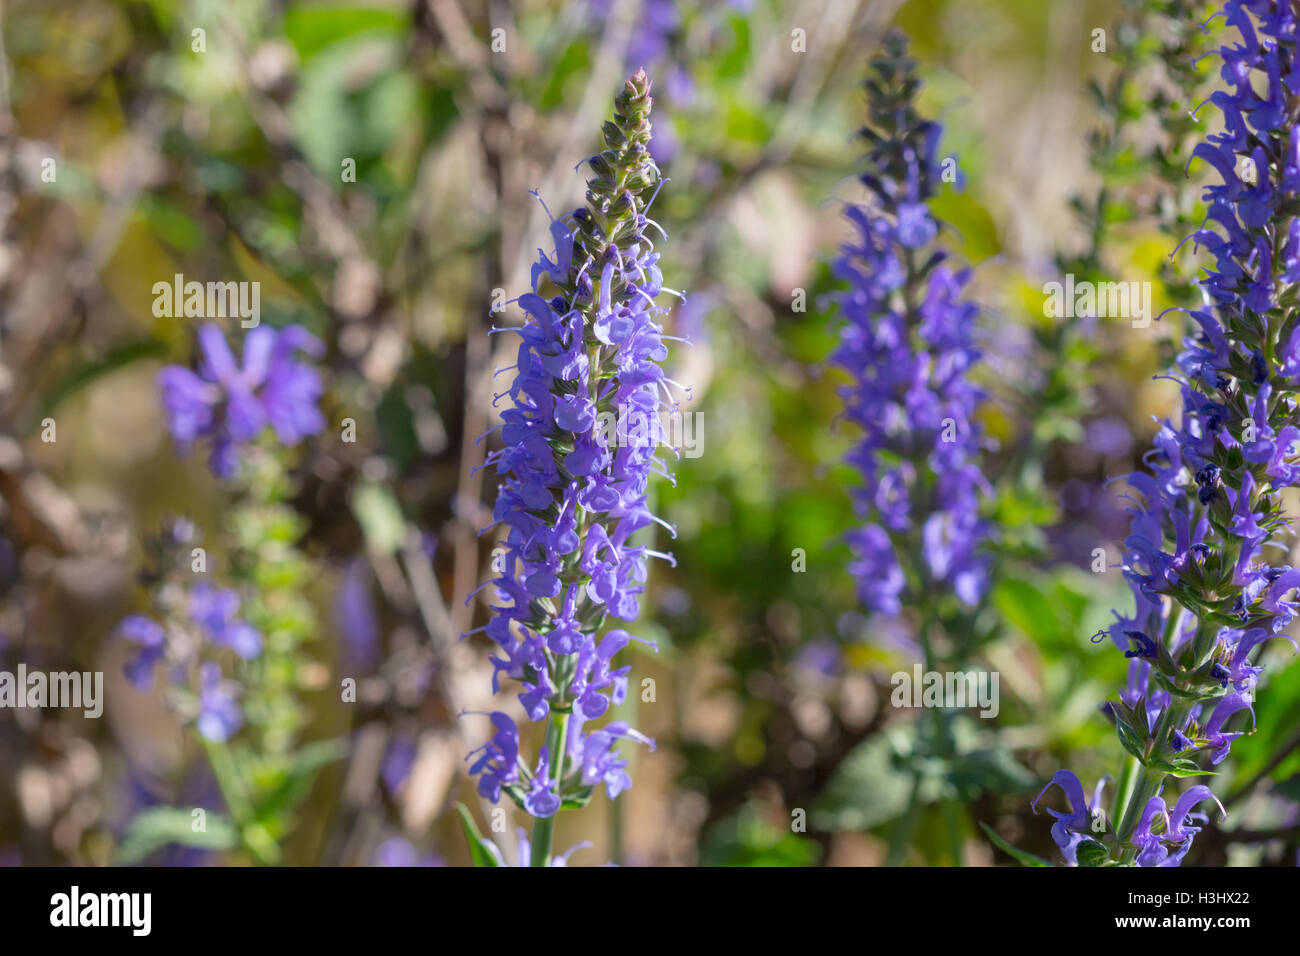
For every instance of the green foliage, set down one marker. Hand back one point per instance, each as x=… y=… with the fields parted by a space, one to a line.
x=157 y=827
x=750 y=839
x=1020 y=856
x=481 y=851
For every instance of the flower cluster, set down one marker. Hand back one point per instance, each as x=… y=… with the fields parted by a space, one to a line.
x=907 y=342
x=253 y=625
x=1160 y=837
x=230 y=403
x=197 y=622
x=577 y=476
x=1209 y=502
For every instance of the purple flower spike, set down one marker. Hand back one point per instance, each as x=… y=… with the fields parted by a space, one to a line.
x=580 y=446
x=908 y=344
x=1209 y=500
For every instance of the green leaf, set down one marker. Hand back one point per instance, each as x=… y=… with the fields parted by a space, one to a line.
x=870 y=787
x=1021 y=856
x=578 y=800
x=480 y=850
x=1028 y=611
x=972 y=223
x=299 y=777
x=314 y=28
x=991 y=770
x=1182 y=767
x=1166 y=684
x=1092 y=853
x=749 y=839
x=1132 y=743
x=159 y=826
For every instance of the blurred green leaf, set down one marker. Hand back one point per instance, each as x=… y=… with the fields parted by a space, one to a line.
x=748 y=839
x=869 y=788
x=1024 y=858
x=159 y=826
x=298 y=777
x=992 y=770
x=313 y=28
x=1027 y=610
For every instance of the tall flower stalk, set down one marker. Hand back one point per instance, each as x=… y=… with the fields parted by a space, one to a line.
x=1209 y=502
x=579 y=447
x=229 y=642
x=907 y=342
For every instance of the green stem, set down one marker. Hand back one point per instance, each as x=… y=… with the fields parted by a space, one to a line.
x=901 y=838
x=952 y=822
x=1149 y=781
x=556 y=739
x=1125 y=792
x=942 y=741
x=1148 y=785
x=256 y=838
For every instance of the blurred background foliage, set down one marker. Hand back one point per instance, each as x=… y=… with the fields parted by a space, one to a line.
x=369 y=164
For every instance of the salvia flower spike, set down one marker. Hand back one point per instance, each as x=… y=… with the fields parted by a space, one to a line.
x=908 y=343
x=1209 y=500
x=579 y=447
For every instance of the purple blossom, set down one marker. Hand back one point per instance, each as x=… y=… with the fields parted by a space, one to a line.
x=399 y=758
x=580 y=445
x=1208 y=501
x=213 y=612
x=1213 y=735
x=1076 y=825
x=355 y=615
x=219 y=715
x=216 y=610
x=152 y=639
x=523 y=851
x=400 y=852
x=599 y=761
x=541 y=798
x=229 y=403
x=498 y=764
x=907 y=343
x=1152 y=851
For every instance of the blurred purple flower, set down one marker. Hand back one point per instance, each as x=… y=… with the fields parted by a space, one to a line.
x=230 y=403
x=355 y=615
x=399 y=758
x=523 y=851
x=1109 y=437
x=219 y=714
x=400 y=852
x=907 y=341
x=152 y=639
x=819 y=658
x=216 y=611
